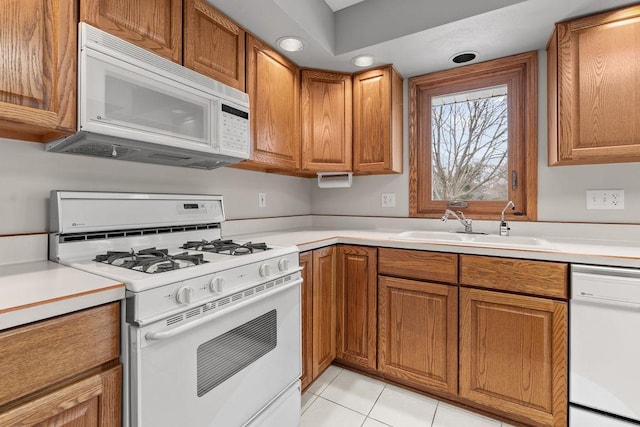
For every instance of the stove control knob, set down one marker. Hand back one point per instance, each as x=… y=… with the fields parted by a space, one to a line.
x=283 y=264
x=265 y=270
x=216 y=284
x=184 y=295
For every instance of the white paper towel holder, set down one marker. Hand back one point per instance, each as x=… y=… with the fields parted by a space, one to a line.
x=334 y=179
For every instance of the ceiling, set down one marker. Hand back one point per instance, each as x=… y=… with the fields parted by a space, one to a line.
x=417 y=36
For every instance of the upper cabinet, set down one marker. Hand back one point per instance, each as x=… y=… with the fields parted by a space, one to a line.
x=593 y=71
x=38 y=51
x=155 y=25
x=326 y=121
x=213 y=44
x=273 y=85
x=377 y=121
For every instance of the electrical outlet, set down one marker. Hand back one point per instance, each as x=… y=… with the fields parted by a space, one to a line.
x=262 y=200
x=605 y=199
x=388 y=200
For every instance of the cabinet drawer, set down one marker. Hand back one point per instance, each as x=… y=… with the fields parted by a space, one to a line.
x=515 y=275
x=435 y=266
x=44 y=353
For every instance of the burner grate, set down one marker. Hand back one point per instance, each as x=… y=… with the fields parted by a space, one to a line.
x=225 y=247
x=150 y=260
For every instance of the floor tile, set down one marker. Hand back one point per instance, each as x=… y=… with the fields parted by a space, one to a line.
x=370 y=422
x=402 y=408
x=451 y=416
x=307 y=400
x=324 y=379
x=322 y=413
x=353 y=391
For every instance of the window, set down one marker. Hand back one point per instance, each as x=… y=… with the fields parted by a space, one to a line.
x=473 y=139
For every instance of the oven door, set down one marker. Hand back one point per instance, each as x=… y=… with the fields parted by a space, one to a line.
x=220 y=369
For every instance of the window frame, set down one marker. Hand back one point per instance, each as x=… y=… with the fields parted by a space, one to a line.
x=519 y=73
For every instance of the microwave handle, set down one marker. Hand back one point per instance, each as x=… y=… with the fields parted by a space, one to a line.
x=157 y=336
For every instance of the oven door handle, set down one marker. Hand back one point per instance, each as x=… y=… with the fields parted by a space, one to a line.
x=163 y=335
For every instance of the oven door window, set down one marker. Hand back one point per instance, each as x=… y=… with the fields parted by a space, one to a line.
x=222 y=357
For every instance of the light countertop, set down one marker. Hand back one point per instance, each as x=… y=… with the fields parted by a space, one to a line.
x=37 y=290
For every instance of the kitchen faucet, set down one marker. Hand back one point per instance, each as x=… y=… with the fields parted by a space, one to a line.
x=504 y=225
x=464 y=221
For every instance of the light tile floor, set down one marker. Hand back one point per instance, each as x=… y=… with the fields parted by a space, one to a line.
x=341 y=398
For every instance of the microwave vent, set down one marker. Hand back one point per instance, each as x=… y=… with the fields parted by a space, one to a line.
x=100 y=150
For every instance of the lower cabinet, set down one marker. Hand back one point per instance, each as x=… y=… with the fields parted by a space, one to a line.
x=356 y=304
x=513 y=352
x=418 y=333
x=306 y=262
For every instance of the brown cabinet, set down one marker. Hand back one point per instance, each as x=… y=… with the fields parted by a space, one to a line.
x=38 y=51
x=357 y=305
x=326 y=121
x=213 y=44
x=377 y=121
x=273 y=85
x=306 y=262
x=417 y=333
x=513 y=355
x=63 y=369
x=155 y=25
x=594 y=115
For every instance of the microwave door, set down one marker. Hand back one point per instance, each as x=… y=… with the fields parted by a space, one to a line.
x=124 y=100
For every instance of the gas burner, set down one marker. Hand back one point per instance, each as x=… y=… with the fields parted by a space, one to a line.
x=225 y=247
x=150 y=260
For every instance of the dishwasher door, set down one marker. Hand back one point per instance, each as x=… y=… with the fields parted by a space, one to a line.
x=604 y=370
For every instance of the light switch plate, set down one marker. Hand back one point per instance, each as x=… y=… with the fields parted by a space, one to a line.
x=262 y=200
x=388 y=200
x=605 y=199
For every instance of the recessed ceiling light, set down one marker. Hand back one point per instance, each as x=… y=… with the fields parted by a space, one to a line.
x=362 y=61
x=290 y=43
x=462 y=57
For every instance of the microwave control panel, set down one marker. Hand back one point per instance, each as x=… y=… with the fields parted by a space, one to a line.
x=234 y=130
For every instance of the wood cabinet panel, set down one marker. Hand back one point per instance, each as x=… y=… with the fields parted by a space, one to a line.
x=418 y=333
x=594 y=117
x=377 y=121
x=58 y=349
x=273 y=85
x=513 y=355
x=515 y=275
x=155 y=25
x=326 y=121
x=38 y=51
x=324 y=308
x=306 y=262
x=357 y=305
x=435 y=266
x=213 y=44
x=93 y=401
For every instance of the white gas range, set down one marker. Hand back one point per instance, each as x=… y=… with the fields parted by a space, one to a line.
x=211 y=331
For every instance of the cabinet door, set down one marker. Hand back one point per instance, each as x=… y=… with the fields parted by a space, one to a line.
x=513 y=355
x=38 y=51
x=273 y=85
x=155 y=25
x=377 y=121
x=213 y=44
x=357 y=305
x=306 y=262
x=93 y=401
x=324 y=308
x=326 y=121
x=594 y=116
x=418 y=333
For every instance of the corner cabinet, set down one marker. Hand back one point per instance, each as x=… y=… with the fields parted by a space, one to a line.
x=38 y=51
x=213 y=44
x=155 y=25
x=273 y=85
x=71 y=376
x=326 y=121
x=356 y=304
x=377 y=122
x=593 y=111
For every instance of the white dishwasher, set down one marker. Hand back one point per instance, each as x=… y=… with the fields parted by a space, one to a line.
x=604 y=359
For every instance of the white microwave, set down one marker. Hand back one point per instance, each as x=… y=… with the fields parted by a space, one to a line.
x=137 y=106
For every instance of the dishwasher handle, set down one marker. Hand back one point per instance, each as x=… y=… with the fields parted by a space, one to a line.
x=606 y=289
